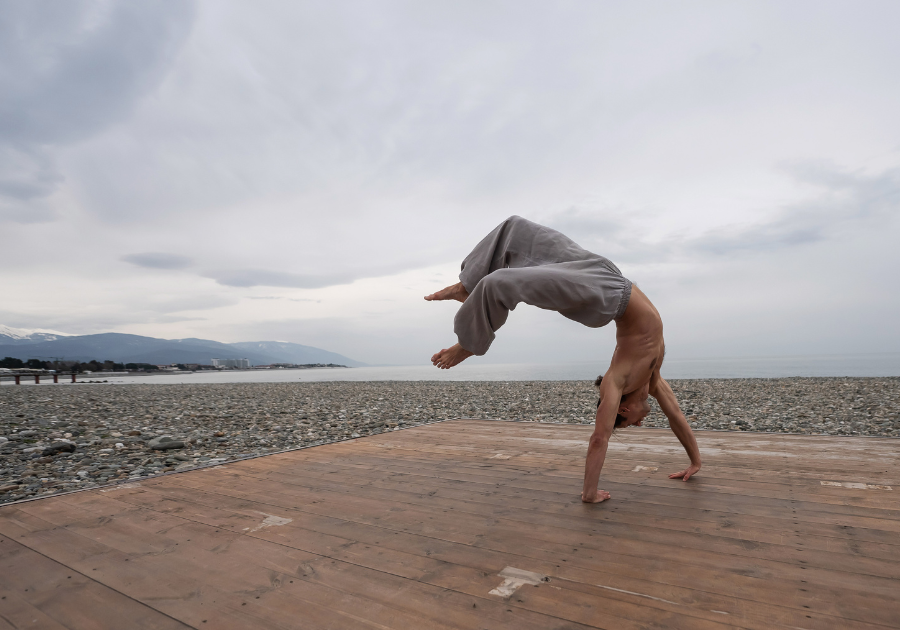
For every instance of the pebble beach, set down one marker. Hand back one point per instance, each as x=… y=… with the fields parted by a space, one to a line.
x=67 y=437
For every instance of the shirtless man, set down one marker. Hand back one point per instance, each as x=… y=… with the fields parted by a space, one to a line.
x=521 y=261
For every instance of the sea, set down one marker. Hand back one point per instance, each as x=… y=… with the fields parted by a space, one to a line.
x=882 y=364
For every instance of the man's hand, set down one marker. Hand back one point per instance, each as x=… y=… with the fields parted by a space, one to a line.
x=685 y=474
x=596 y=497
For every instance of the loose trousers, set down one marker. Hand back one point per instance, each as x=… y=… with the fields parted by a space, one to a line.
x=521 y=261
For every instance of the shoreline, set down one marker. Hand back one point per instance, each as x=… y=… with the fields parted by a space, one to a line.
x=110 y=427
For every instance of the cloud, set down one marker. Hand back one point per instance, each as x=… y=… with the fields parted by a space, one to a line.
x=851 y=201
x=193 y=302
x=844 y=202
x=263 y=277
x=172 y=319
x=158 y=260
x=27 y=172
x=279 y=297
x=80 y=66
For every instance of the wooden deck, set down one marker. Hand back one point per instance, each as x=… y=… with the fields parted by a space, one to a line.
x=413 y=529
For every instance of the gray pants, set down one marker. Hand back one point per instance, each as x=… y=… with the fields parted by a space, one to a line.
x=521 y=261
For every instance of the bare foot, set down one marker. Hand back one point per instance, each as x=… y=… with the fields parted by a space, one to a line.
x=602 y=495
x=453 y=292
x=448 y=357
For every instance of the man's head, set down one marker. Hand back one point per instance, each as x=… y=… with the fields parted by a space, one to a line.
x=633 y=407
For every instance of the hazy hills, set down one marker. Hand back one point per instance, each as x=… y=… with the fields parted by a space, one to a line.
x=137 y=349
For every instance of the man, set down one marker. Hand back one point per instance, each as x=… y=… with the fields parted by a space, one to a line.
x=521 y=261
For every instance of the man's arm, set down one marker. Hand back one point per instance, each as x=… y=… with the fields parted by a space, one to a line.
x=610 y=395
x=664 y=395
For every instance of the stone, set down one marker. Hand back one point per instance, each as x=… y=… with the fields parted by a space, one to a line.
x=164 y=442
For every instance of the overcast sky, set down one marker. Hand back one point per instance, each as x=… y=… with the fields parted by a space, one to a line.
x=307 y=171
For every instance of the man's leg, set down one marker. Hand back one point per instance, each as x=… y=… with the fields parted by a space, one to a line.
x=515 y=243
x=521 y=261
x=587 y=292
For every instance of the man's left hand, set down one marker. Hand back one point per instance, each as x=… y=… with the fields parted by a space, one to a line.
x=686 y=474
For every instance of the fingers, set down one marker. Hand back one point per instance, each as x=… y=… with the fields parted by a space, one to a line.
x=684 y=475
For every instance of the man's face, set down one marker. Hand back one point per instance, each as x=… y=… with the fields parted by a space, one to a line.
x=634 y=408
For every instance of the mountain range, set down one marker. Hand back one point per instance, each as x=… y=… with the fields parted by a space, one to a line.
x=48 y=345
x=14 y=336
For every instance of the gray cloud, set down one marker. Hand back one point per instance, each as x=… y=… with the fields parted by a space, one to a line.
x=79 y=66
x=846 y=202
x=279 y=297
x=172 y=319
x=851 y=201
x=201 y=302
x=158 y=260
x=27 y=172
x=266 y=278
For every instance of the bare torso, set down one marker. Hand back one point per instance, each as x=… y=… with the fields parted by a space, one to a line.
x=640 y=347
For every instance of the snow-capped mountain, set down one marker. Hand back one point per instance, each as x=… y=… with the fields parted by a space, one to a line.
x=10 y=336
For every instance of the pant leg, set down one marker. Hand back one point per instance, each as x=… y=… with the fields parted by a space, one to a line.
x=515 y=243
x=586 y=291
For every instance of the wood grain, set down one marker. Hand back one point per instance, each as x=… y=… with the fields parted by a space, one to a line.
x=410 y=529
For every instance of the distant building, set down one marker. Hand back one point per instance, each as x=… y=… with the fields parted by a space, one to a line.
x=231 y=363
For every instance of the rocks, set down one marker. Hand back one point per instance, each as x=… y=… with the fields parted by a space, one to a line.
x=120 y=428
x=58 y=447
x=164 y=442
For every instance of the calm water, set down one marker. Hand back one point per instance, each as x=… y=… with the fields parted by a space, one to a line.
x=886 y=364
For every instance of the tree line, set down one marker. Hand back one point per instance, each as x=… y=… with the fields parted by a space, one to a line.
x=74 y=366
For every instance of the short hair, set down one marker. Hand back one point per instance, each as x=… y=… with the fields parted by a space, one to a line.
x=620 y=419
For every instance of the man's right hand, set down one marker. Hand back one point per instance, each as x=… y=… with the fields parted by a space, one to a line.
x=597 y=497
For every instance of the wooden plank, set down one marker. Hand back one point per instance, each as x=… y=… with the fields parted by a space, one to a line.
x=547 y=500
x=813 y=490
x=39 y=592
x=139 y=578
x=583 y=516
x=401 y=543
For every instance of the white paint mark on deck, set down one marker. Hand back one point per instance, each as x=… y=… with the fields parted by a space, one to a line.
x=270 y=521
x=513 y=578
x=645 y=469
x=656 y=599
x=499 y=456
x=854 y=485
x=121 y=487
x=619 y=590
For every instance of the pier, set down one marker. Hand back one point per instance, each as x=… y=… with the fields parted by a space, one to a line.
x=17 y=376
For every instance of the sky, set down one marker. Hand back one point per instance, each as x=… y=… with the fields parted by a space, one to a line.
x=308 y=171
